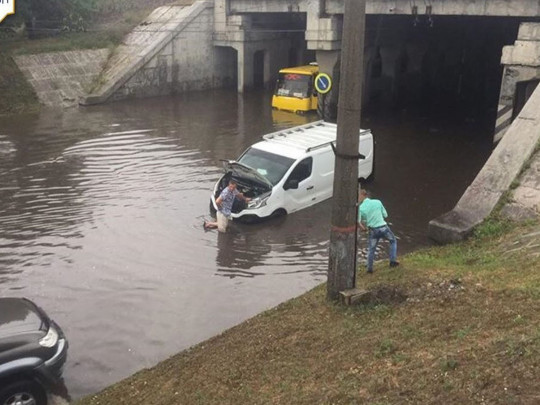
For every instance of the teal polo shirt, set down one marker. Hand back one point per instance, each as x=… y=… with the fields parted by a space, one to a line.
x=372 y=213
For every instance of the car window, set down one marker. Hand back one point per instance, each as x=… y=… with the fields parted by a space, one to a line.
x=302 y=171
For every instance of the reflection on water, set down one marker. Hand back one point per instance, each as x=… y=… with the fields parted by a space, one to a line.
x=101 y=211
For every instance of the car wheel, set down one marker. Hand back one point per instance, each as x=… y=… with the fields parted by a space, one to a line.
x=23 y=393
x=212 y=209
x=280 y=212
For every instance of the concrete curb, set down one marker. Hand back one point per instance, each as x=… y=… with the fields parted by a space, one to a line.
x=495 y=178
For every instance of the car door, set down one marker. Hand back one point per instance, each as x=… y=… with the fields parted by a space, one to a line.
x=299 y=190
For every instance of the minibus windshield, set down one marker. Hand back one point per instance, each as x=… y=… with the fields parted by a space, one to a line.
x=293 y=85
x=267 y=164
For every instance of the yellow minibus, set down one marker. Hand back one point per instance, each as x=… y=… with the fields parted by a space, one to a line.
x=295 y=90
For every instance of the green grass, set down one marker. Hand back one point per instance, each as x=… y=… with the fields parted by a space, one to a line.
x=468 y=332
x=17 y=94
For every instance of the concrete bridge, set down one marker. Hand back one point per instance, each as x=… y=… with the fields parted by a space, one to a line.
x=433 y=50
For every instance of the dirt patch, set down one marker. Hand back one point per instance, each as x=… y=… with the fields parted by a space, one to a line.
x=431 y=290
x=388 y=295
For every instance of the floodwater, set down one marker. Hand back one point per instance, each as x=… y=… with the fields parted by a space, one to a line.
x=101 y=213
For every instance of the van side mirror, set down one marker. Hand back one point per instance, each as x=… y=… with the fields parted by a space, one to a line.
x=291 y=184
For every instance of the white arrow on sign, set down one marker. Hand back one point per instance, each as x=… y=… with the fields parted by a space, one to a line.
x=7 y=7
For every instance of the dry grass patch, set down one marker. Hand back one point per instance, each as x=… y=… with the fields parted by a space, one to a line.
x=463 y=329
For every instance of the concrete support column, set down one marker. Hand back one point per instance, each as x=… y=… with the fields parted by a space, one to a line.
x=245 y=67
x=220 y=15
x=328 y=62
x=389 y=58
x=411 y=79
x=323 y=32
x=521 y=65
x=369 y=52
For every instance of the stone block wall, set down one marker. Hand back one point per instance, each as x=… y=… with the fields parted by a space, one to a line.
x=60 y=78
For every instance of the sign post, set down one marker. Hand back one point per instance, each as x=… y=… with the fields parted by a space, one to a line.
x=7 y=7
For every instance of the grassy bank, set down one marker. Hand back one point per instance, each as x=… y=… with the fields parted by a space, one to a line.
x=453 y=325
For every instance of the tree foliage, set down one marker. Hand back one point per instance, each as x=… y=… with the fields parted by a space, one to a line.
x=56 y=13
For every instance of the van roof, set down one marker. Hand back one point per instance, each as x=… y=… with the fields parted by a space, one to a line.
x=307 y=69
x=297 y=141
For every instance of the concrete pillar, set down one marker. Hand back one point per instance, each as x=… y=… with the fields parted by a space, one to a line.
x=389 y=57
x=411 y=80
x=368 y=64
x=323 y=32
x=327 y=103
x=521 y=64
x=245 y=67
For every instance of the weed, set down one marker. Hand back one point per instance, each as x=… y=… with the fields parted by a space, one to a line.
x=399 y=358
x=519 y=320
x=448 y=364
x=492 y=228
x=462 y=333
x=515 y=184
x=386 y=347
x=410 y=332
x=448 y=386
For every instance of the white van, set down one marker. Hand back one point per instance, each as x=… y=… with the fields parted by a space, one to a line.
x=288 y=170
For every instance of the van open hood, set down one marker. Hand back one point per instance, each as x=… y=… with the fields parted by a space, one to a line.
x=245 y=172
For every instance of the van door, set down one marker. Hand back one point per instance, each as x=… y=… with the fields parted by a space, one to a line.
x=299 y=188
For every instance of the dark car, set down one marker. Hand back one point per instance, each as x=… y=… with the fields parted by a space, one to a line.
x=33 y=350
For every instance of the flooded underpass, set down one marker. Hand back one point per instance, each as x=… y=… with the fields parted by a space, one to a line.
x=101 y=213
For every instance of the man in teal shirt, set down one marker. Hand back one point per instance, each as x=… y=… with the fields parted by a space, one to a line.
x=371 y=215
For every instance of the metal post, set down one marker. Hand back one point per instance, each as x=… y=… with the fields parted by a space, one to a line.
x=342 y=254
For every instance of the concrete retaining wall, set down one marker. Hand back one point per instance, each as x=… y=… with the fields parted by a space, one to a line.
x=525 y=199
x=60 y=78
x=171 y=51
x=188 y=62
x=502 y=168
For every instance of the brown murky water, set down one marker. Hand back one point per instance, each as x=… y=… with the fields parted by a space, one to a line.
x=101 y=211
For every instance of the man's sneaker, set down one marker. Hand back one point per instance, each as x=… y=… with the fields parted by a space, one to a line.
x=394 y=264
x=369 y=271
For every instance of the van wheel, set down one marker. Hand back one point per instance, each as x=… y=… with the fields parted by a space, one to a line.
x=371 y=177
x=249 y=219
x=280 y=212
x=23 y=392
x=212 y=209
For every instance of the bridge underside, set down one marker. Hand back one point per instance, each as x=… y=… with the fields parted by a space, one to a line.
x=436 y=53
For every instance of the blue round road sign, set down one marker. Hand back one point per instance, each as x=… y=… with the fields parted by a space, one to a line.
x=323 y=83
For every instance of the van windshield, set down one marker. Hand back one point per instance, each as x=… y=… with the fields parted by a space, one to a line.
x=267 y=164
x=293 y=85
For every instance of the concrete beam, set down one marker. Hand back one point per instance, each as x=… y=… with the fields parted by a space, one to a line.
x=524 y=53
x=495 y=178
x=502 y=8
